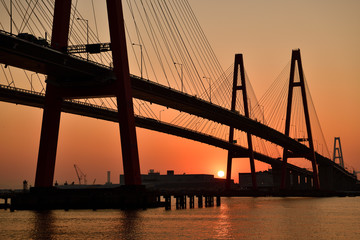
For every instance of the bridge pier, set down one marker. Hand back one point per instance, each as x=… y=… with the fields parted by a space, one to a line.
x=277 y=176
x=334 y=179
x=295 y=180
x=218 y=201
x=302 y=183
x=53 y=101
x=310 y=182
x=191 y=201
x=180 y=202
x=167 y=202
x=177 y=202
x=276 y=172
x=6 y=205
x=326 y=176
x=209 y=201
x=200 y=201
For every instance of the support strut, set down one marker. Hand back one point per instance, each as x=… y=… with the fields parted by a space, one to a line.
x=52 y=107
x=123 y=94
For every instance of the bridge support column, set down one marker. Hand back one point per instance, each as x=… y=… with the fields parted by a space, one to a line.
x=326 y=175
x=52 y=109
x=191 y=201
x=123 y=94
x=309 y=182
x=177 y=200
x=302 y=184
x=239 y=63
x=338 y=152
x=295 y=180
x=209 y=201
x=334 y=178
x=296 y=59
x=276 y=173
x=180 y=201
x=218 y=201
x=167 y=202
x=200 y=201
x=288 y=178
x=277 y=176
x=121 y=88
x=48 y=138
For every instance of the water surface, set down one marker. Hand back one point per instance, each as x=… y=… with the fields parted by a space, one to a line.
x=236 y=218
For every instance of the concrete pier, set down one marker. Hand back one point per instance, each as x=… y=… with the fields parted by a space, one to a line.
x=191 y=201
x=218 y=201
x=167 y=202
x=124 y=197
x=209 y=201
x=200 y=201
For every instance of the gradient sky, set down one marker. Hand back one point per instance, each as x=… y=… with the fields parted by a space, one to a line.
x=328 y=34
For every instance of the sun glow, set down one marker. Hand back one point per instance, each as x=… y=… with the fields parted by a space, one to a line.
x=221 y=173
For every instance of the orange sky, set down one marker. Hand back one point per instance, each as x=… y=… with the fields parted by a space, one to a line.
x=328 y=34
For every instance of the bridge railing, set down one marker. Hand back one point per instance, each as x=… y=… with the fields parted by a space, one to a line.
x=67 y=100
x=7 y=33
x=22 y=90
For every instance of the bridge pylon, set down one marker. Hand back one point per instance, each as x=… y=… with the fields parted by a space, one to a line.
x=118 y=86
x=239 y=65
x=296 y=59
x=338 y=152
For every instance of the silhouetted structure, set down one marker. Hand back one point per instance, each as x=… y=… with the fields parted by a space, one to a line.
x=239 y=63
x=71 y=77
x=338 y=152
x=119 y=86
x=296 y=59
x=181 y=182
x=265 y=180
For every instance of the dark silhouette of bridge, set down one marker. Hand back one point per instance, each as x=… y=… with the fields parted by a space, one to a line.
x=71 y=77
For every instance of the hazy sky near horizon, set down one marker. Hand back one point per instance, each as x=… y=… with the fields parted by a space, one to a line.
x=326 y=31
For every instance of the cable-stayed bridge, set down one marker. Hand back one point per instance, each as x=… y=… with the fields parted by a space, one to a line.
x=195 y=85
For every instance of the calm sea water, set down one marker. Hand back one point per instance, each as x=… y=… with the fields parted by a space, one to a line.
x=236 y=218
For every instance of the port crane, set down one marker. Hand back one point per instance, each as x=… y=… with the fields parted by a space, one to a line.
x=81 y=176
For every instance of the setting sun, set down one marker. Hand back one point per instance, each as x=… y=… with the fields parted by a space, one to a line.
x=221 y=173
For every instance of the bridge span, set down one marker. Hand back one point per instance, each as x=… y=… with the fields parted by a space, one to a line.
x=75 y=73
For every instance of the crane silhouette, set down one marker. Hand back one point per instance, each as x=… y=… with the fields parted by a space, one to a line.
x=81 y=176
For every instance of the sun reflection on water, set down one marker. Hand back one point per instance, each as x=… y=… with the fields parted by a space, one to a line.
x=236 y=218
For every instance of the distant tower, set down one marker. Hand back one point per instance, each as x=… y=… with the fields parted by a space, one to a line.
x=338 y=152
x=108 y=177
x=296 y=61
x=240 y=86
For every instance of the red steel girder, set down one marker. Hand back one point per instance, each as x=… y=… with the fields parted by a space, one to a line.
x=123 y=93
x=52 y=109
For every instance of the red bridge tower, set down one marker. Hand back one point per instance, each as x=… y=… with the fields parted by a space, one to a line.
x=120 y=88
